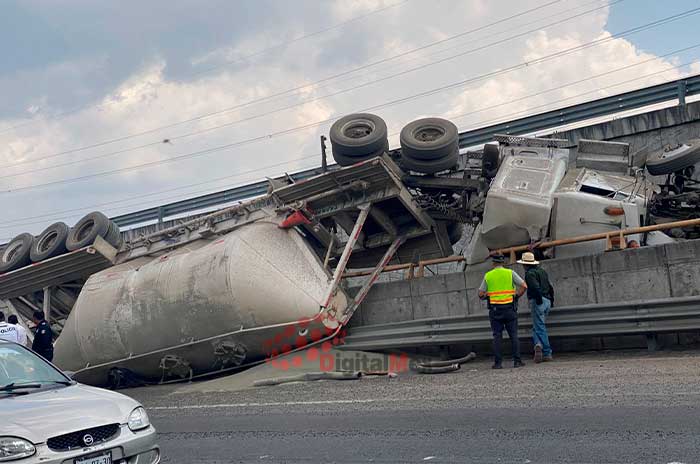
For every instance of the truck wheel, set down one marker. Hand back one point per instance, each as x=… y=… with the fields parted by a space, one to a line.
x=114 y=236
x=490 y=160
x=675 y=159
x=431 y=166
x=16 y=253
x=429 y=139
x=344 y=160
x=51 y=242
x=358 y=135
x=86 y=230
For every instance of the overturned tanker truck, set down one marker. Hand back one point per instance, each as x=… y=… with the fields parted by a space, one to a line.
x=223 y=290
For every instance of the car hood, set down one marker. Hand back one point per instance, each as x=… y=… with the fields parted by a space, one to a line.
x=45 y=414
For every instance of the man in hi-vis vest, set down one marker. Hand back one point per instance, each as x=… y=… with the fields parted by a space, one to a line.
x=501 y=287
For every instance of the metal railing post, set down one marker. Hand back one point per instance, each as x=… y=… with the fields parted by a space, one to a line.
x=682 y=92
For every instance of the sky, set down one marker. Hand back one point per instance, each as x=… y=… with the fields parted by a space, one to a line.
x=119 y=106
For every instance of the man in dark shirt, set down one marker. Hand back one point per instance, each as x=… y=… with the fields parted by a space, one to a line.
x=540 y=295
x=43 y=338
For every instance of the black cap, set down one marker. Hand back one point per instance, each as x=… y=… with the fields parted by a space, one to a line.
x=500 y=259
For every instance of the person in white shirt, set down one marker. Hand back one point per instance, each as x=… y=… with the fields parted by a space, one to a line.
x=22 y=338
x=8 y=331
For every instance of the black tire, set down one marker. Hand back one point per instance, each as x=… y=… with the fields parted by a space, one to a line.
x=343 y=160
x=490 y=161
x=455 y=231
x=430 y=167
x=358 y=135
x=114 y=236
x=51 y=242
x=16 y=253
x=85 y=231
x=668 y=162
x=429 y=139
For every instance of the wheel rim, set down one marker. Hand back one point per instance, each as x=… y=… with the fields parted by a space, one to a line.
x=672 y=152
x=358 y=128
x=11 y=252
x=47 y=241
x=84 y=230
x=428 y=133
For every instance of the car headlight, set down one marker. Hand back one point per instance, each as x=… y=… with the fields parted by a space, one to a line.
x=12 y=448
x=138 y=419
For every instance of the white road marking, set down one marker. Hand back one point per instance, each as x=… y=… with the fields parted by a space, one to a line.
x=396 y=400
x=280 y=403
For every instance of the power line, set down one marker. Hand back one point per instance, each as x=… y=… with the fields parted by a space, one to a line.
x=286 y=44
x=295 y=105
x=15 y=223
x=278 y=94
x=509 y=116
x=383 y=105
x=238 y=60
x=9 y=224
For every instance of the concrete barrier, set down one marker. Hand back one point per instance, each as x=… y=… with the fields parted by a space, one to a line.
x=666 y=271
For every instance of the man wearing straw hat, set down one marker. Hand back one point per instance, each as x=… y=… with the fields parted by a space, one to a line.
x=502 y=286
x=540 y=295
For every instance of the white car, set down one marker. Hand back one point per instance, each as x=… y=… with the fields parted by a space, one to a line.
x=47 y=418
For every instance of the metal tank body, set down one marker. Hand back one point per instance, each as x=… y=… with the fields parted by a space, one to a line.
x=208 y=306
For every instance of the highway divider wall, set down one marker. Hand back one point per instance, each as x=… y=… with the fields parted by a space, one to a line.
x=671 y=270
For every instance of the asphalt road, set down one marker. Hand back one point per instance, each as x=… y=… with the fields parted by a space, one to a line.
x=621 y=408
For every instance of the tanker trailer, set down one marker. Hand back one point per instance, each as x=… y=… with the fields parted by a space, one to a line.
x=207 y=306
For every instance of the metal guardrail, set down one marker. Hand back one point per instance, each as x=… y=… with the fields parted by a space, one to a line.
x=678 y=89
x=621 y=318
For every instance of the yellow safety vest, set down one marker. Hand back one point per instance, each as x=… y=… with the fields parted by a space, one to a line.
x=499 y=286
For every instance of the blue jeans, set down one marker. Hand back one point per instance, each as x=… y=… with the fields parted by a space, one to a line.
x=539 y=330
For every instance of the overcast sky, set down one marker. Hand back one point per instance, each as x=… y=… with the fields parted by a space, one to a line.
x=76 y=74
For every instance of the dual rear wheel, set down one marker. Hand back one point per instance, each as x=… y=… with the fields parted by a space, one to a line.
x=428 y=145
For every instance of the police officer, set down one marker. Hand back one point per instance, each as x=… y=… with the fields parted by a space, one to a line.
x=43 y=338
x=501 y=287
x=8 y=331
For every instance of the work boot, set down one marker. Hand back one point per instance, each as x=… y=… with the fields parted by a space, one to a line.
x=548 y=358
x=538 y=353
x=497 y=366
x=518 y=364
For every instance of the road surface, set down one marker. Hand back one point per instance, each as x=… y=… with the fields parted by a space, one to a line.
x=594 y=408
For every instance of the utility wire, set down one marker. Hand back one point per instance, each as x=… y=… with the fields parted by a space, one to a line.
x=297 y=89
x=383 y=105
x=13 y=223
x=238 y=60
x=182 y=187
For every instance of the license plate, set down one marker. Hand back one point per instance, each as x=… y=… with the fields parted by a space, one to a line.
x=105 y=458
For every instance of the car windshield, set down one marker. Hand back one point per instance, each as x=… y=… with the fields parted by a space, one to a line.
x=19 y=366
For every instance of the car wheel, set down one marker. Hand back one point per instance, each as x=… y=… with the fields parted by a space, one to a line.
x=51 y=242
x=429 y=139
x=358 y=135
x=85 y=231
x=16 y=253
x=674 y=159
